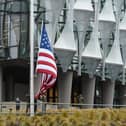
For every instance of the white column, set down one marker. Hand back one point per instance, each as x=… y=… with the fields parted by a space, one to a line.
x=65 y=88
x=108 y=93
x=88 y=90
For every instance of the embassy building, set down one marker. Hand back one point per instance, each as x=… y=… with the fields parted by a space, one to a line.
x=88 y=39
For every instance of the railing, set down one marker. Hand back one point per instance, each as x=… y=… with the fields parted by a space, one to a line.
x=44 y=107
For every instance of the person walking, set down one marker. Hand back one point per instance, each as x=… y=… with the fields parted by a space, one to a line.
x=28 y=105
x=35 y=105
x=81 y=100
x=17 y=104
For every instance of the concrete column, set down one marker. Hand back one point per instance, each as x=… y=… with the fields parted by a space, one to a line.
x=1 y=83
x=65 y=88
x=88 y=90
x=108 y=93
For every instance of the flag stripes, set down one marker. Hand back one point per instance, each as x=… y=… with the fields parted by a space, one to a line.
x=46 y=65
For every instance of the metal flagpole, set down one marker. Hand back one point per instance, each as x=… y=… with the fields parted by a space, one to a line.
x=31 y=35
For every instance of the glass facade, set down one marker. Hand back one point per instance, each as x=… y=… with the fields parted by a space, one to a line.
x=14 y=27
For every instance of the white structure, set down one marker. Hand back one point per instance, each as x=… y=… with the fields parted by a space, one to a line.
x=92 y=52
x=114 y=61
x=83 y=12
x=106 y=26
x=122 y=28
x=65 y=45
x=54 y=8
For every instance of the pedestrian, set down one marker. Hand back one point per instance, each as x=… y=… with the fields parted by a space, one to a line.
x=28 y=105
x=43 y=98
x=81 y=100
x=35 y=105
x=17 y=104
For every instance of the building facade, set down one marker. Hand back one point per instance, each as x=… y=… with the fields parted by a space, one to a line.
x=88 y=40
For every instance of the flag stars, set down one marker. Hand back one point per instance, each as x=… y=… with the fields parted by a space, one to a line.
x=47 y=39
x=44 y=35
x=45 y=43
x=48 y=46
x=42 y=44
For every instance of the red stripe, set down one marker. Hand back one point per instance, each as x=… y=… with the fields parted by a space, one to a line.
x=46 y=87
x=49 y=81
x=47 y=71
x=51 y=78
x=46 y=55
x=48 y=77
x=49 y=86
x=46 y=63
x=42 y=92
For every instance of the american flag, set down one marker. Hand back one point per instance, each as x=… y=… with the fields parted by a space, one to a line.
x=46 y=64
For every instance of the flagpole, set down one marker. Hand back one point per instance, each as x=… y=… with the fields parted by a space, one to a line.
x=31 y=34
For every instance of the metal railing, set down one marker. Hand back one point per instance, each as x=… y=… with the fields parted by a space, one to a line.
x=44 y=107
